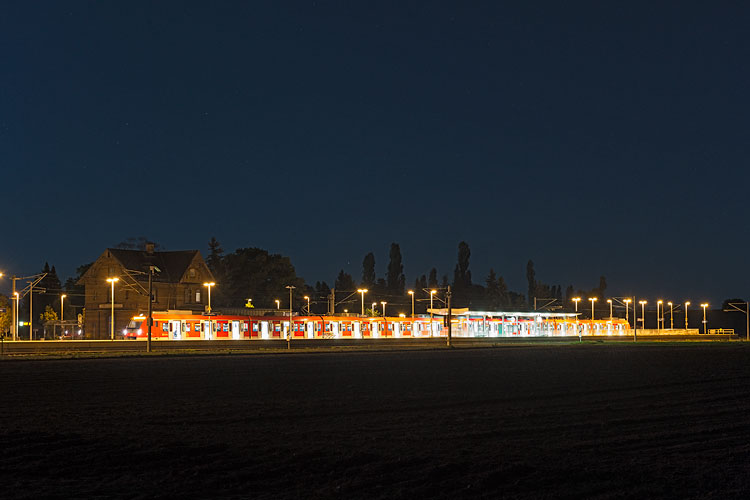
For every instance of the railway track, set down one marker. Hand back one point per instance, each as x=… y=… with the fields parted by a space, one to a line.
x=135 y=346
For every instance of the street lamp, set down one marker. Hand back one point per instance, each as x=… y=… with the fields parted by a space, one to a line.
x=383 y=304
x=362 y=292
x=576 y=300
x=289 y=332
x=432 y=294
x=643 y=312
x=15 y=316
x=671 y=317
x=705 y=323
x=659 y=317
x=686 y=315
x=627 y=308
x=308 y=304
x=609 y=301
x=112 y=281
x=411 y=292
x=278 y=303
x=62 y=309
x=592 y=299
x=209 y=285
x=374 y=304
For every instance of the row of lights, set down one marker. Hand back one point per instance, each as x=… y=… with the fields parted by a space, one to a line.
x=659 y=306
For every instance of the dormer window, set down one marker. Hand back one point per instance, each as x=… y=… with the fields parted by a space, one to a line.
x=192 y=273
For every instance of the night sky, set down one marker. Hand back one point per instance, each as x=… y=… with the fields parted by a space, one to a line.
x=596 y=139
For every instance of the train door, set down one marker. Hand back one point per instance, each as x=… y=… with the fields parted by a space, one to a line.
x=335 y=329
x=356 y=330
x=207 y=334
x=264 y=330
x=397 y=329
x=310 y=328
x=175 y=332
x=235 y=330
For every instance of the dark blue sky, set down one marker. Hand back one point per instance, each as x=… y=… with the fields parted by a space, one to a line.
x=592 y=138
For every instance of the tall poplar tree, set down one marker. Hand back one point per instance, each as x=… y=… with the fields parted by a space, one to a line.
x=395 y=279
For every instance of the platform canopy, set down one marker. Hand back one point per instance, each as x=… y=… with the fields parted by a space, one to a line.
x=500 y=314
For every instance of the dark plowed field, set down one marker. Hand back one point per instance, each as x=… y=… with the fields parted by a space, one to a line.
x=604 y=421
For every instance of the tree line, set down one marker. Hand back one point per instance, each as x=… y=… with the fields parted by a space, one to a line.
x=254 y=273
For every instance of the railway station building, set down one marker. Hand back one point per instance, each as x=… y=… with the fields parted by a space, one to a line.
x=178 y=284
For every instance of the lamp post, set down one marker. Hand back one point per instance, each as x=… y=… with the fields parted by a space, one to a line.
x=592 y=299
x=278 y=304
x=686 y=315
x=308 y=304
x=643 y=312
x=374 y=305
x=609 y=301
x=411 y=292
x=362 y=292
x=62 y=309
x=112 y=281
x=671 y=316
x=658 y=316
x=576 y=300
x=289 y=332
x=209 y=285
x=15 y=316
x=627 y=308
x=432 y=294
x=705 y=323
x=383 y=304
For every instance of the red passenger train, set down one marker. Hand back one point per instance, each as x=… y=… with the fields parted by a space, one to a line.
x=178 y=325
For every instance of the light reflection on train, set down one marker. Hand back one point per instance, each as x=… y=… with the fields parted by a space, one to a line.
x=184 y=326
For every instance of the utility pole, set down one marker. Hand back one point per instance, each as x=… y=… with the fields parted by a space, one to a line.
x=448 y=297
x=31 y=309
x=635 y=322
x=289 y=332
x=150 y=320
x=14 y=330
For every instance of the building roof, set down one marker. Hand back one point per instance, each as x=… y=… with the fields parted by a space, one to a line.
x=172 y=265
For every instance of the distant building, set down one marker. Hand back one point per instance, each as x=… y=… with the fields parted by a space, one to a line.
x=177 y=285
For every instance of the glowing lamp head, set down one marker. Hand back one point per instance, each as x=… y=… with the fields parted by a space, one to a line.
x=113 y=280
x=687 y=303
x=410 y=292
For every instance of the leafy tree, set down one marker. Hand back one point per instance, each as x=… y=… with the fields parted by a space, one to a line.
x=48 y=315
x=368 y=271
x=137 y=243
x=344 y=282
x=395 y=277
x=432 y=281
x=462 y=275
x=569 y=295
x=253 y=272
x=531 y=279
x=602 y=288
x=6 y=318
x=496 y=291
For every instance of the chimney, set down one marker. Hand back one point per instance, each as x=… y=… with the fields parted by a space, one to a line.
x=149 y=248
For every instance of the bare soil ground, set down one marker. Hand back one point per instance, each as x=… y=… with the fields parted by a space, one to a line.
x=602 y=421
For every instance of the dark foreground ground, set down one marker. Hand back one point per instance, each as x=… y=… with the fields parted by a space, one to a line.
x=566 y=421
